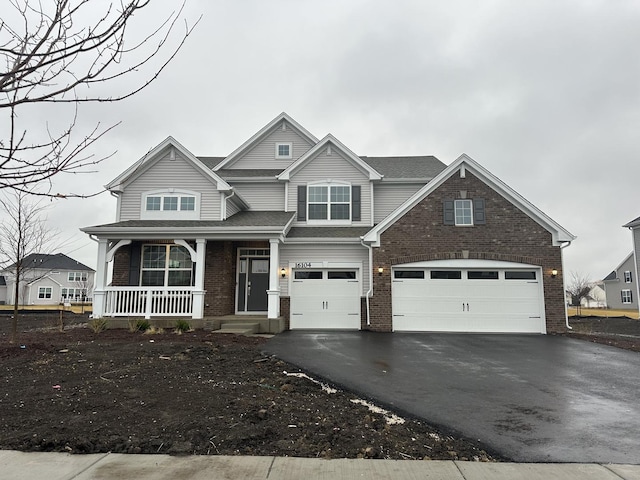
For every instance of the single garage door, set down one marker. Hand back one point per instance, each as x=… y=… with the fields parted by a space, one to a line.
x=325 y=299
x=472 y=299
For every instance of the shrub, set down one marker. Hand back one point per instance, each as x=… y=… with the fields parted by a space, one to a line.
x=139 y=325
x=98 y=325
x=182 y=326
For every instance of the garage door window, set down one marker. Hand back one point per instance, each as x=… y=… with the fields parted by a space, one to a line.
x=308 y=275
x=519 y=275
x=350 y=275
x=404 y=274
x=446 y=274
x=483 y=275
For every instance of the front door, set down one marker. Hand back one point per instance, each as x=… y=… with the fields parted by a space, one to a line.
x=253 y=283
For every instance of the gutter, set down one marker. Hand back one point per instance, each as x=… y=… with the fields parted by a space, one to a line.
x=564 y=290
x=370 y=291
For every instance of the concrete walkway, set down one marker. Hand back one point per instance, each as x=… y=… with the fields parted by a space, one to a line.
x=61 y=466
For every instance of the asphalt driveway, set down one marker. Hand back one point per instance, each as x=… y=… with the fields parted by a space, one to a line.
x=532 y=398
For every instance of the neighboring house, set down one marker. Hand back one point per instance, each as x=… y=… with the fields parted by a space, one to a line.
x=295 y=226
x=621 y=286
x=597 y=297
x=634 y=226
x=50 y=280
x=3 y=290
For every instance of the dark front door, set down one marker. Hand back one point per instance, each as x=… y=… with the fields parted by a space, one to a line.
x=253 y=283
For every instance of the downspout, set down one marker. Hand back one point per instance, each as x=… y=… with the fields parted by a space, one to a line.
x=224 y=202
x=564 y=290
x=370 y=291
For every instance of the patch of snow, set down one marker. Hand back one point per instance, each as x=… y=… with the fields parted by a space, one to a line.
x=324 y=386
x=390 y=418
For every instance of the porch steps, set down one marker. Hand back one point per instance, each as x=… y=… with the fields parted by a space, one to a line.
x=244 y=328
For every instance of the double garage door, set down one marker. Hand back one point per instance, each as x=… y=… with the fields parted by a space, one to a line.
x=472 y=298
x=325 y=299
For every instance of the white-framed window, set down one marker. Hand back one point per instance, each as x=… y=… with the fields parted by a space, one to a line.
x=329 y=202
x=170 y=204
x=284 y=150
x=77 y=276
x=627 y=276
x=45 y=292
x=626 y=296
x=166 y=265
x=73 y=293
x=463 y=211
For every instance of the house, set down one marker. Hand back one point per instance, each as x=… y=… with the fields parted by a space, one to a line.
x=50 y=280
x=621 y=286
x=3 y=290
x=303 y=229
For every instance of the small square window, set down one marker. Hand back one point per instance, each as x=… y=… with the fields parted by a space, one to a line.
x=284 y=150
x=627 y=277
x=153 y=203
x=187 y=203
x=170 y=203
x=464 y=212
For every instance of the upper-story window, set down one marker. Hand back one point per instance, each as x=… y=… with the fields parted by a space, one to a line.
x=464 y=212
x=329 y=202
x=77 y=276
x=627 y=276
x=170 y=204
x=284 y=150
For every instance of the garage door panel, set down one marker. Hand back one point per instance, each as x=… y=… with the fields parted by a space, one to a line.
x=473 y=303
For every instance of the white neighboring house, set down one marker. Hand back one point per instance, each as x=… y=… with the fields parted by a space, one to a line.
x=49 y=280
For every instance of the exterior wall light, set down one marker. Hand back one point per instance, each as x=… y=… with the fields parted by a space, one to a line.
x=380 y=270
x=283 y=272
x=554 y=273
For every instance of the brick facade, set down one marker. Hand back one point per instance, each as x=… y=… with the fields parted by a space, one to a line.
x=508 y=235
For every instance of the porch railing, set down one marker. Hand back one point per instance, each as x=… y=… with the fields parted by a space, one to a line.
x=148 y=301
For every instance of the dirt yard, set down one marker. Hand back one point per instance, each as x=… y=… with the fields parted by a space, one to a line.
x=195 y=393
x=621 y=332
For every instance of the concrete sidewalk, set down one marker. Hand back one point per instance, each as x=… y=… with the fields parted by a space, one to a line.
x=60 y=466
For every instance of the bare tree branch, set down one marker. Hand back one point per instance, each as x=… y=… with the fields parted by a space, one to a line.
x=53 y=53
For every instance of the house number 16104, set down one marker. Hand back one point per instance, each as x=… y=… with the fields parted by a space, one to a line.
x=303 y=265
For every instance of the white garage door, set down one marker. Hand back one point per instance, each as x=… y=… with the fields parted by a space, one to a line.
x=325 y=299
x=482 y=298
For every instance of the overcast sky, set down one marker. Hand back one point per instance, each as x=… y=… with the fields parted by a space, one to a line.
x=544 y=94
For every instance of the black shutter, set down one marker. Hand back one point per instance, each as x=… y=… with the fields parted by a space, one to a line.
x=355 y=202
x=479 y=217
x=302 y=202
x=135 y=252
x=449 y=212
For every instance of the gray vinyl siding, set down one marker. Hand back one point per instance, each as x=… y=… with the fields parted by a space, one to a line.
x=263 y=155
x=331 y=254
x=613 y=288
x=262 y=196
x=232 y=208
x=388 y=197
x=166 y=173
x=336 y=168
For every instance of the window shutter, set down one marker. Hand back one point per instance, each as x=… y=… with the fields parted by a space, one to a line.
x=479 y=217
x=302 y=202
x=135 y=252
x=355 y=202
x=449 y=213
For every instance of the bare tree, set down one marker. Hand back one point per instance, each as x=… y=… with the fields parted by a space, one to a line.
x=63 y=52
x=23 y=232
x=579 y=288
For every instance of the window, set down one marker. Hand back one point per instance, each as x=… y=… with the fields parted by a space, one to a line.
x=349 y=275
x=77 y=276
x=464 y=212
x=284 y=150
x=73 y=293
x=329 y=202
x=446 y=274
x=403 y=274
x=626 y=296
x=308 y=275
x=166 y=265
x=479 y=275
x=44 y=292
x=519 y=275
x=170 y=203
x=627 y=277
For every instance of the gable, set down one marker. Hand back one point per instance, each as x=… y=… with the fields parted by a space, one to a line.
x=463 y=168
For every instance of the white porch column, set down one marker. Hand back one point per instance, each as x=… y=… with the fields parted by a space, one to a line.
x=99 y=293
x=198 y=294
x=273 y=294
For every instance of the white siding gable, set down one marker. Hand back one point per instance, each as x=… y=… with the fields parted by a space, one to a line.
x=263 y=154
x=167 y=174
x=331 y=168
